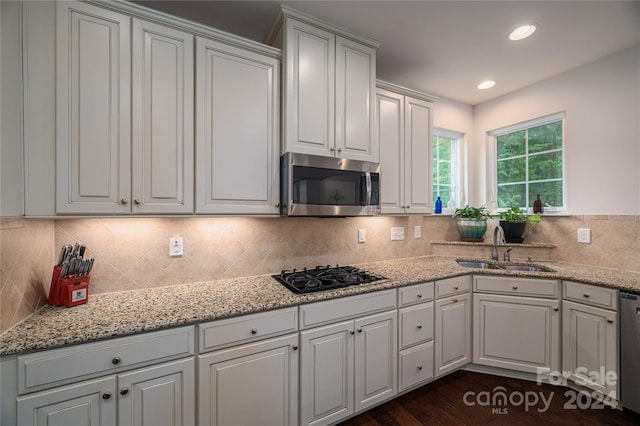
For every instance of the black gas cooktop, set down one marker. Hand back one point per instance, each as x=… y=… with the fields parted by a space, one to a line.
x=325 y=278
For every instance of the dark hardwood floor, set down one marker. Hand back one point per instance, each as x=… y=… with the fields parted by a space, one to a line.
x=443 y=403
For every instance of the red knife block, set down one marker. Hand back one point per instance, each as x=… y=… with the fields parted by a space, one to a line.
x=70 y=291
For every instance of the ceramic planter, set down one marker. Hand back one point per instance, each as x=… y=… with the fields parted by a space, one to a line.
x=471 y=230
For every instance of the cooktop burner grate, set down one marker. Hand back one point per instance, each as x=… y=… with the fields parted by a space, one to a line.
x=324 y=278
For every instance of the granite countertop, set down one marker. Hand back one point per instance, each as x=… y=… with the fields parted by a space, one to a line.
x=131 y=312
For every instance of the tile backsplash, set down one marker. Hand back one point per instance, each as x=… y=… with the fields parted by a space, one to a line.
x=134 y=253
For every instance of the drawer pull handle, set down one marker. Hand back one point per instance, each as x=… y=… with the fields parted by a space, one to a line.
x=419 y=326
x=106 y=395
x=515 y=287
x=456 y=287
x=419 y=367
x=254 y=331
x=295 y=347
x=586 y=295
x=610 y=321
x=419 y=296
x=116 y=360
x=556 y=309
x=124 y=391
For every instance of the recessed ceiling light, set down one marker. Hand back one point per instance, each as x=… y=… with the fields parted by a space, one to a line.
x=522 y=32
x=486 y=84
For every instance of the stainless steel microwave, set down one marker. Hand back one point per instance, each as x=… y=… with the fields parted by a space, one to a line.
x=312 y=185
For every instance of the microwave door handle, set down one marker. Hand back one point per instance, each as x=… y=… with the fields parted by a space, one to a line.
x=368 y=180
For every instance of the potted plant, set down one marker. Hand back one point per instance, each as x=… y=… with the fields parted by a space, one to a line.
x=514 y=222
x=471 y=223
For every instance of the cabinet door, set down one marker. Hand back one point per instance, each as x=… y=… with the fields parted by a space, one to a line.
x=309 y=89
x=326 y=373
x=376 y=355
x=237 y=130
x=356 y=137
x=590 y=346
x=254 y=384
x=417 y=156
x=162 y=98
x=158 y=395
x=453 y=333
x=87 y=403
x=390 y=118
x=518 y=333
x=93 y=172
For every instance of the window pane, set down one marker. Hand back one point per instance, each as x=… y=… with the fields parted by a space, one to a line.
x=511 y=144
x=550 y=193
x=512 y=195
x=445 y=195
x=511 y=170
x=545 y=166
x=545 y=137
x=445 y=172
x=444 y=148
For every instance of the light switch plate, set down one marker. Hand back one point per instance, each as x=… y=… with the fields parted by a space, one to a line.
x=397 y=233
x=584 y=235
x=362 y=236
x=417 y=231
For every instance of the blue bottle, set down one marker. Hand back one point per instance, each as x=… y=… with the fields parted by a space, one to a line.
x=438 y=209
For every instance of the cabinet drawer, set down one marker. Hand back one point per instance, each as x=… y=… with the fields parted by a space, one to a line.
x=452 y=286
x=335 y=310
x=415 y=294
x=516 y=286
x=58 y=366
x=416 y=365
x=220 y=334
x=591 y=295
x=416 y=324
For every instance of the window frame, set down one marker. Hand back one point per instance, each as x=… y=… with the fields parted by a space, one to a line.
x=492 y=161
x=458 y=167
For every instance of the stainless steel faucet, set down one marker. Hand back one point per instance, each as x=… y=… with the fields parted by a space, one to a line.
x=496 y=242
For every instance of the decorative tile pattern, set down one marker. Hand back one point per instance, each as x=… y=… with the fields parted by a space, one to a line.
x=134 y=253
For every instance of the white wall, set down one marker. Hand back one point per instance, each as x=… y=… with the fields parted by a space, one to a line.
x=602 y=132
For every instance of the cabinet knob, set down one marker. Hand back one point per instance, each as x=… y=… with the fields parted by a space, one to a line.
x=419 y=296
x=106 y=395
x=339 y=150
x=277 y=204
x=456 y=287
x=124 y=391
x=419 y=326
x=332 y=150
x=254 y=331
x=123 y=201
x=515 y=287
x=408 y=206
x=359 y=330
x=556 y=309
x=294 y=347
x=351 y=332
x=419 y=367
x=115 y=360
x=586 y=295
x=455 y=300
x=610 y=321
x=136 y=202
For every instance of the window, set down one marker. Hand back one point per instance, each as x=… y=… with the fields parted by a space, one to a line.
x=529 y=162
x=446 y=167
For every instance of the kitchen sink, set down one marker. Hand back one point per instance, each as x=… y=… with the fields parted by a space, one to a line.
x=479 y=265
x=505 y=267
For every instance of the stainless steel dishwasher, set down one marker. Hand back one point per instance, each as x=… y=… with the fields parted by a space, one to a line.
x=630 y=351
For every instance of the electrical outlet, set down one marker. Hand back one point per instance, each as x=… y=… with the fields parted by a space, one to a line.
x=417 y=231
x=175 y=246
x=584 y=235
x=397 y=233
x=361 y=235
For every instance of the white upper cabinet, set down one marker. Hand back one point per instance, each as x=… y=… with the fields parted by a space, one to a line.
x=125 y=116
x=162 y=99
x=404 y=132
x=93 y=110
x=237 y=121
x=329 y=89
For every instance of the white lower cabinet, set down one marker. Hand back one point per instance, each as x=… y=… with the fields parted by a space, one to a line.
x=350 y=365
x=162 y=394
x=590 y=338
x=452 y=333
x=253 y=384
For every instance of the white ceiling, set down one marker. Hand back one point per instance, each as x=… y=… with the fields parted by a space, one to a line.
x=445 y=48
